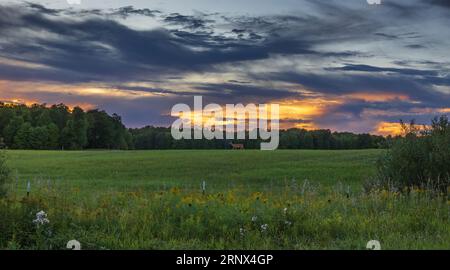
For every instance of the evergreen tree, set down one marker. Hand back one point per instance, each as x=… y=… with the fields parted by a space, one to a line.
x=59 y=114
x=22 y=138
x=100 y=130
x=53 y=136
x=38 y=138
x=80 y=126
x=11 y=129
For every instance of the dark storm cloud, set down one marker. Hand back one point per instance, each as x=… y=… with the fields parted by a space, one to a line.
x=105 y=49
x=123 y=12
x=425 y=78
x=388 y=36
x=403 y=71
x=94 y=45
x=100 y=47
x=224 y=91
x=156 y=90
x=130 y=10
x=15 y=73
x=405 y=9
x=240 y=90
x=416 y=46
x=443 y=3
x=419 y=89
x=356 y=107
x=191 y=22
x=296 y=121
x=41 y=9
x=409 y=35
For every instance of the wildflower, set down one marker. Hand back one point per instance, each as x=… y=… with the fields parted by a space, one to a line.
x=254 y=218
x=41 y=218
x=264 y=227
x=285 y=210
x=288 y=223
x=242 y=231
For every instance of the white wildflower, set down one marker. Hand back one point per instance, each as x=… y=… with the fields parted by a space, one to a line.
x=288 y=223
x=285 y=210
x=264 y=227
x=254 y=218
x=41 y=218
x=242 y=231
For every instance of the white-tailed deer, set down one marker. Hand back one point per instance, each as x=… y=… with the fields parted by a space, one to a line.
x=237 y=146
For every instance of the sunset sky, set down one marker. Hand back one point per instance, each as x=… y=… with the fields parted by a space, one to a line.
x=341 y=65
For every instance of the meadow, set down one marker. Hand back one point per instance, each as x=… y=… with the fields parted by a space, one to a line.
x=252 y=200
x=256 y=170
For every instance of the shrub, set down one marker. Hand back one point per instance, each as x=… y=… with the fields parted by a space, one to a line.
x=420 y=159
x=4 y=174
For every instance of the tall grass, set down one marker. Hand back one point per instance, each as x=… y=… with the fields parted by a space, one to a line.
x=4 y=174
x=290 y=215
x=235 y=219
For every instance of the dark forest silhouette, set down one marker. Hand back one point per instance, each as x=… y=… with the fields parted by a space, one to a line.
x=57 y=127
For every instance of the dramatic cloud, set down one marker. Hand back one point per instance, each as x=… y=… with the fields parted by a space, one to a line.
x=344 y=65
x=443 y=3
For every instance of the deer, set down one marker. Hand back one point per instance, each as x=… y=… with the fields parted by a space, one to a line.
x=237 y=146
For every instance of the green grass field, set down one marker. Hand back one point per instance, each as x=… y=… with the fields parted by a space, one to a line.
x=253 y=200
x=153 y=170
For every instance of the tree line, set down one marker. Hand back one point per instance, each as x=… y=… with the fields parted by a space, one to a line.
x=58 y=127
x=160 y=138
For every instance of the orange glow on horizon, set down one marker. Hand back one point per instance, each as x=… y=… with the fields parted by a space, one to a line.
x=293 y=114
x=377 y=97
x=307 y=126
x=388 y=128
x=18 y=101
x=305 y=108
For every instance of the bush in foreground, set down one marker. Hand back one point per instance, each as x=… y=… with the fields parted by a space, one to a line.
x=4 y=174
x=420 y=159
